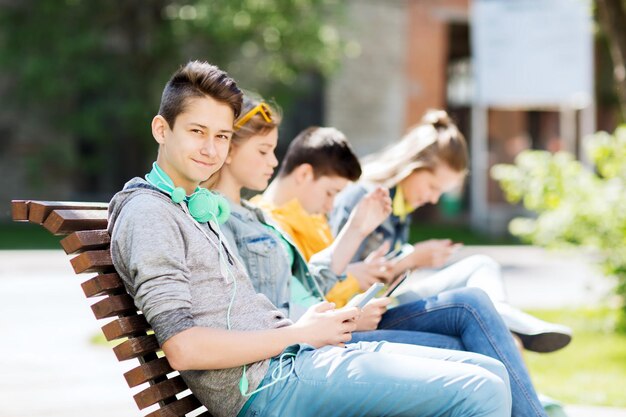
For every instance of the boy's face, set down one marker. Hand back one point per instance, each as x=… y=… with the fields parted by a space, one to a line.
x=318 y=195
x=198 y=144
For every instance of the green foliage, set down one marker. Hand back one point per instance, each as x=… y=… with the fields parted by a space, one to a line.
x=575 y=205
x=26 y=236
x=421 y=230
x=89 y=73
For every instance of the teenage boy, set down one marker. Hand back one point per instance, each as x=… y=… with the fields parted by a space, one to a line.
x=236 y=351
x=319 y=164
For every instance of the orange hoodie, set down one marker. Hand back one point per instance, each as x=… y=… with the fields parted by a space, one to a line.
x=311 y=233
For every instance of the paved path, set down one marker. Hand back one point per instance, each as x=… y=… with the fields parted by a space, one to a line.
x=537 y=278
x=49 y=368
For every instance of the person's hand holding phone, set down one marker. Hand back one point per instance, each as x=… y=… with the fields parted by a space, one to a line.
x=372 y=313
x=432 y=253
x=323 y=325
x=396 y=283
x=375 y=268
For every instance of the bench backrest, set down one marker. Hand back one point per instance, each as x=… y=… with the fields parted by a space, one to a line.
x=85 y=227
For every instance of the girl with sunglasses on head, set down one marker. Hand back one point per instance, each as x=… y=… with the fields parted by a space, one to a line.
x=250 y=164
x=460 y=320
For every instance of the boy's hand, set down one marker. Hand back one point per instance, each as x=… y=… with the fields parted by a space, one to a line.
x=371 y=211
x=370 y=273
x=432 y=253
x=372 y=313
x=322 y=325
x=375 y=268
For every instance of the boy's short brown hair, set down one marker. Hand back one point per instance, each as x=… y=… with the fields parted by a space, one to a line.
x=198 y=79
x=326 y=149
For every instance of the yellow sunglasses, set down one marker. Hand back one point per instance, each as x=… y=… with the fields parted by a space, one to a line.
x=261 y=108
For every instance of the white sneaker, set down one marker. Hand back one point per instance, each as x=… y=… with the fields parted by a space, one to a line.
x=536 y=335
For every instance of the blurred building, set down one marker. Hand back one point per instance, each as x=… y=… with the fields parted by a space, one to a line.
x=402 y=58
x=412 y=55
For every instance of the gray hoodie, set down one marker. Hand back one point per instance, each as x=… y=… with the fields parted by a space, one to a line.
x=171 y=268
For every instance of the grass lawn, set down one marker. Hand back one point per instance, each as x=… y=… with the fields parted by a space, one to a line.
x=591 y=370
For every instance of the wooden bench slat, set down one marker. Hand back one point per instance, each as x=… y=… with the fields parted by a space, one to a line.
x=103 y=284
x=86 y=225
x=114 y=305
x=84 y=240
x=93 y=261
x=19 y=210
x=136 y=346
x=147 y=372
x=125 y=327
x=178 y=408
x=63 y=222
x=39 y=210
x=159 y=392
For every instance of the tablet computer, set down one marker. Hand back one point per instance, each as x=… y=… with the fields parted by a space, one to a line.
x=396 y=283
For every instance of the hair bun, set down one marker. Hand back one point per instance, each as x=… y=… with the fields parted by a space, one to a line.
x=437 y=118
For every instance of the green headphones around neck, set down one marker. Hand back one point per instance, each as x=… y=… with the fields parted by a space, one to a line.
x=203 y=204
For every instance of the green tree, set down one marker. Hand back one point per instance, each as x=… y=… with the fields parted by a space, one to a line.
x=575 y=205
x=87 y=73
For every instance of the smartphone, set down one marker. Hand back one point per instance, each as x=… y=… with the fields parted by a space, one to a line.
x=395 y=284
x=392 y=254
x=400 y=252
x=366 y=297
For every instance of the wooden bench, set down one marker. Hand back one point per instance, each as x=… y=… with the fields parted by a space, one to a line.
x=85 y=228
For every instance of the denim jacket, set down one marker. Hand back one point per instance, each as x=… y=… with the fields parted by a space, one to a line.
x=392 y=229
x=267 y=262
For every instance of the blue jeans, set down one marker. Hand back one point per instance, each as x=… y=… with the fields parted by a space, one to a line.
x=469 y=315
x=380 y=378
x=410 y=337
